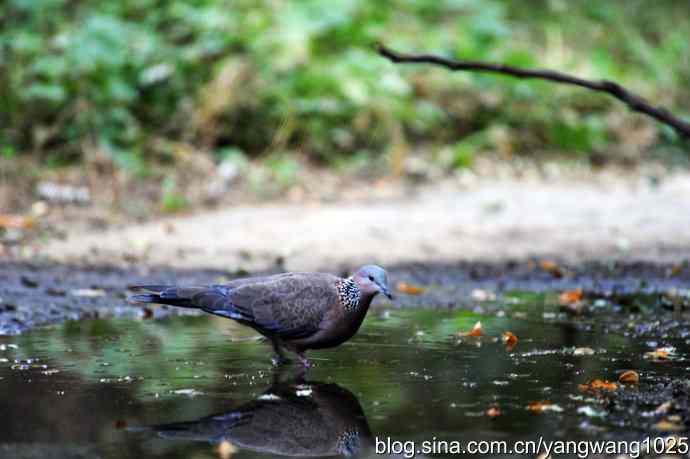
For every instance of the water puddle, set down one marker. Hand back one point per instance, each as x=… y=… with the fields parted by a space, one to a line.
x=203 y=387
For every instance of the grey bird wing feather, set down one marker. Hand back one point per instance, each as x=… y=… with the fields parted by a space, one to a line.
x=290 y=305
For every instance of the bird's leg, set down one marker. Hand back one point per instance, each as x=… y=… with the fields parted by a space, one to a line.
x=303 y=359
x=279 y=356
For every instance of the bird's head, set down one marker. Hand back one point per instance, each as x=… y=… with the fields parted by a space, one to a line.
x=372 y=279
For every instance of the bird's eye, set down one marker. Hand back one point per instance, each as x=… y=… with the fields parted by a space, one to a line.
x=371 y=278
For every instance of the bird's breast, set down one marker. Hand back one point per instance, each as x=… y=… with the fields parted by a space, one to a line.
x=336 y=328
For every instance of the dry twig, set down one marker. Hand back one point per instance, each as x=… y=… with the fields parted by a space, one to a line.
x=633 y=101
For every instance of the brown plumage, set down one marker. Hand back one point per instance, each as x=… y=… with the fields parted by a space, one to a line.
x=297 y=311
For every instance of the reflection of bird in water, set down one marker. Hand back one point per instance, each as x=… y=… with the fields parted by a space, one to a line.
x=290 y=419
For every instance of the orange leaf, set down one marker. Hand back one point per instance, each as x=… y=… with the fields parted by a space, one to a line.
x=509 y=339
x=570 y=296
x=598 y=384
x=605 y=385
x=404 y=287
x=493 y=412
x=629 y=377
x=540 y=407
x=15 y=221
x=476 y=331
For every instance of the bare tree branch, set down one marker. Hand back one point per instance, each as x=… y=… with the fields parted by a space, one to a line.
x=633 y=101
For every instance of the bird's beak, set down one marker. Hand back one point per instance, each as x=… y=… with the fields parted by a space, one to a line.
x=386 y=292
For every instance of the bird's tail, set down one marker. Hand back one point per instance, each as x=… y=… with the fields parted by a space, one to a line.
x=161 y=294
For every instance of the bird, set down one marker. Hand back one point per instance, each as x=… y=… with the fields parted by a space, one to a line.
x=296 y=311
x=289 y=419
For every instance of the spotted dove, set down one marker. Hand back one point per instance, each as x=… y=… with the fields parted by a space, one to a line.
x=297 y=311
x=288 y=419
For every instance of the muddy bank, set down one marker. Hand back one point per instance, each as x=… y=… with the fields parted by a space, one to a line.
x=37 y=294
x=492 y=220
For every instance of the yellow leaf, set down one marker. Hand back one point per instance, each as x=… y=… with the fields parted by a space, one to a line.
x=667 y=426
x=551 y=268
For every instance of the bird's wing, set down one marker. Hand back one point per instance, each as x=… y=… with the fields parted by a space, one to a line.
x=289 y=306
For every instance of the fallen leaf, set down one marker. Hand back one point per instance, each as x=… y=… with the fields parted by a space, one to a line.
x=663 y=353
x=629 y=377
x=667 y=426
x=551 y=268
x=598 y=384
x=540 y=407
x=475 y=332
x=493 y=412
x=226 y=449
x=409 y=289
x=583 y=351
x=509 y=339
x=675 y=270
x=16 y=221
x=570 y=296
x=604 y=385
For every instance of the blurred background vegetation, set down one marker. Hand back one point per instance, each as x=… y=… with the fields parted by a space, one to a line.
x=138 y=84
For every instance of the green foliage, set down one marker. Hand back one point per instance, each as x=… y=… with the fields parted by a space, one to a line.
x=283 y=168
x=463 y=152
x=265 y=76
x=581 y=136
x=172 y=198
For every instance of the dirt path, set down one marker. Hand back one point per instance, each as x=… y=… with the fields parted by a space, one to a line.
x=570 y=220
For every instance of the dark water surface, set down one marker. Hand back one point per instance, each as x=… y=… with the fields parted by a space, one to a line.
x=406 y=375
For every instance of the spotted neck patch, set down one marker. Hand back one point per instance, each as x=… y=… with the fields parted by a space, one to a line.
x=349 y=442
x=348 y=294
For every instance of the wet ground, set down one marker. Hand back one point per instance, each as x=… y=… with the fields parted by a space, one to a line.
x=132 y=386
x=40 y=293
